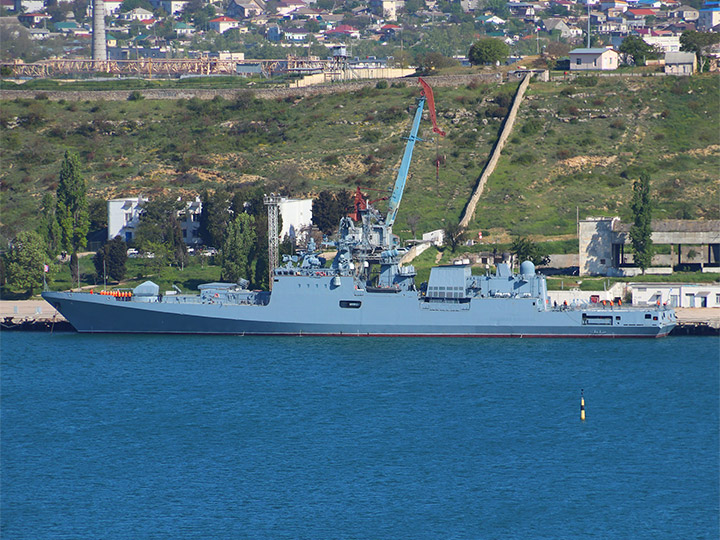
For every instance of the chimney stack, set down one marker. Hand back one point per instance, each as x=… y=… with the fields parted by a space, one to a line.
x=99 y=45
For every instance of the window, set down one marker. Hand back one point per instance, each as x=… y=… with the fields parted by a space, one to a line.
x=352 y=304
x=597 y=320
x=578 y=61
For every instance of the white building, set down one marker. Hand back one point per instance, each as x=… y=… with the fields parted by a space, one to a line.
x=436 y=237
x=173 y=7
x=677 y=294
x=124 y=217
x=137 y=14
x=189 y=219
x=594 y=59
x=223 y=24
x=667 y=44
x=296 y=216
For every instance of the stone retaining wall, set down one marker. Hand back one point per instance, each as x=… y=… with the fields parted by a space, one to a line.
x=230 y=94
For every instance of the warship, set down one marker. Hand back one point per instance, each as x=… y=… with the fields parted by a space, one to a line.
x=364 y=291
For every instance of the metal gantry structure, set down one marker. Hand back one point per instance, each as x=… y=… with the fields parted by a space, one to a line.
x=170 y=66
x=272 y=202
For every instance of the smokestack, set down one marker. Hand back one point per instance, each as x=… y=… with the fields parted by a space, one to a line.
x=99 y=45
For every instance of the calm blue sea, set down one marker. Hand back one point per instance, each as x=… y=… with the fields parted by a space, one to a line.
x=108 y=437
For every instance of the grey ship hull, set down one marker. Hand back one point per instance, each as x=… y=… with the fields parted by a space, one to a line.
x=311 y=306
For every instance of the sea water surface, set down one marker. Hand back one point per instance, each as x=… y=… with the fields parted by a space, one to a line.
x=357 y=438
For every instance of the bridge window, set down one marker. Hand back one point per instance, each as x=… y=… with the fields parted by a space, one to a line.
x=353 y=304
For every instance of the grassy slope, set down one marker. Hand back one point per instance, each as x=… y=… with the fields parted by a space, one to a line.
x=581 y=147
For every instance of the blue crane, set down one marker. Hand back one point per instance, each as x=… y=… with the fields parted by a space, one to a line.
x=399 y=187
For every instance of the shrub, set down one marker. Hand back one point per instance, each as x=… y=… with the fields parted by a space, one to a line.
x=586 y=81
x=525 y=158
x=532 y=126
x=381 y=85
x=135 y=95
x=371 y=136
x=617 y=124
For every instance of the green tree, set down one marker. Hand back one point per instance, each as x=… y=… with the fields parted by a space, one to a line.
x=25 y=262
x=527 y=250
x=636 y=48
x=499 y=8
x=697 y=42
x=454 y=235
x=214 y=217
x=48 y=226
x=159 y=225
x=237 y=251
x=72 y=209
x=110 y=259
x=488 y=51
x=429 y=62
x=641 y=230
x=329 y=207
x=97 y=212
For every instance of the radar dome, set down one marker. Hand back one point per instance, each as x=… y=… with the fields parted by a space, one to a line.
x=527 y=268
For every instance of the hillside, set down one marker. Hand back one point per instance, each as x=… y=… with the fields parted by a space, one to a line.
x=575 y=145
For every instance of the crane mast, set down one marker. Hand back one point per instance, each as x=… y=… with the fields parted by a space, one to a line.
x=399 y=187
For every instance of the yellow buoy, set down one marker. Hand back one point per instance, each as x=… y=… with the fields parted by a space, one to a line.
x=582 y=406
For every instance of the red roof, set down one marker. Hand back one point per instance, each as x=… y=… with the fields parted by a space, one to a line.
x=345 y=28
x=642 y=11
x=390 y=27
x=224 y=19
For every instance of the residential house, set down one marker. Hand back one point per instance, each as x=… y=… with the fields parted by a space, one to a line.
x=296 y=34
x=39 y=34
x=173 y=7
x=490 y=19
x=8 y=5
x=137 y=14
x=285 y=7
x=680 y=63
x=223 y=24
x=709 y=16
x=468 y=6
x=184 y=29
x=112 y=8
x=605 y=5
x=33 y=18
x=29 y=6
x=666 y=43
x=594 y=59
x=686 y=13
x=67 y=27
x=639 y=15
x=559 y=25
x=245 y=9
x=273 y=33
x=344 y=30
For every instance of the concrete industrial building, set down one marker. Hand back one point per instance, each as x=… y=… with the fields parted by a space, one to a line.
x=602 y=244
